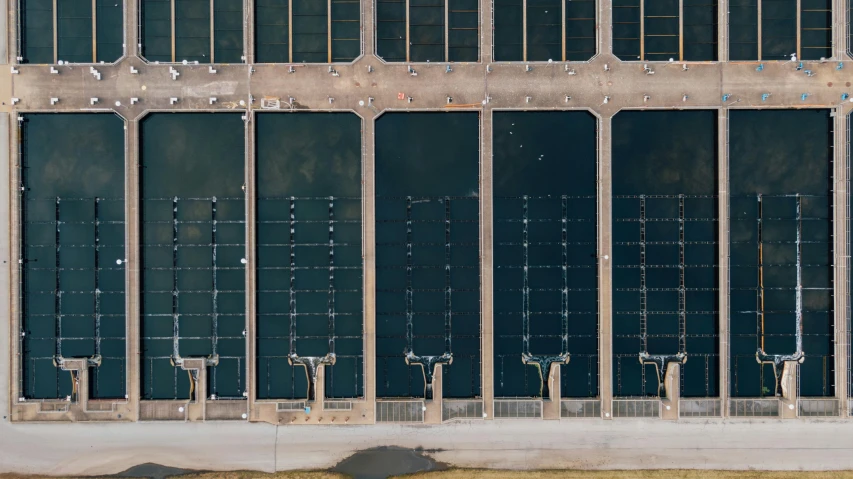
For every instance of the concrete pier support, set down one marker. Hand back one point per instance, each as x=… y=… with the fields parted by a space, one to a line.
x=672 y=384
x=251 y=261
x=368 y=225
x=605 y=27
x=487 y=355
x=14 y=285
x=840 y=30
x=790 y=392
x=249 y=29
x=605 y=267
x=132 y=263
x=55 y=32
x=551 y=404
x=7 y=264
x=723 y=257
x=432 y=414
x=486 y=31
x=197 y=367
x=840 y=191
x=132 y=42
x=723 y=30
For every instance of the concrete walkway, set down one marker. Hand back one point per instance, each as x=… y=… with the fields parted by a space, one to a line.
x=109 y=448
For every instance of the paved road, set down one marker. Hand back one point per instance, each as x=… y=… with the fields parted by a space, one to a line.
x=108 y=448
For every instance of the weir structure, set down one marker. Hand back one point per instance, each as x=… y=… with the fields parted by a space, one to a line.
x=132 y=87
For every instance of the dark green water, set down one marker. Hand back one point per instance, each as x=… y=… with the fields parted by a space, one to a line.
x=665 y=239
x=544 y=30
x=427 y=30
x=74 y=31
x=661 y=24
x=779 y=29
x=193 y=30
x=784 y=156
x=72 y=295
x=309 y=251
x=193 y=240
x=310 y=31
x=427 y=279
x=545 y=162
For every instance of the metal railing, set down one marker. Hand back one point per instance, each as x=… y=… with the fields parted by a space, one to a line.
x=517 y=408
x=337 y=405
x=754 y=407
x=580 y=408
x=400 y=411
x=461 y=410
x=818 y=407
x=700 y=408
x=290 y=406
x=636 y=407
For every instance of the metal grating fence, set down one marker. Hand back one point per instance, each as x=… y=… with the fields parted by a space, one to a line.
x=518 y=408
x=580 y=408
x=700 y=408
x=818 y=407
x=337 y=405
x=290 y=406
x=400 y=411
x=636 y=408
x=753 y=407
x=461 y=410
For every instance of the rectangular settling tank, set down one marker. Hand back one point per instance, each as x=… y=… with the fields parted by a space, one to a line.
x=430 y=31
x=781 y=249
x=193 y=244
x=87 y=31
x=72 y=245
x=309 y=267
x=545 y=266
x=684 y=30
x=307 y=31
x=558 y=30
x=204 y=31
x=769 y=30
x=427 y=253
x=665 y=278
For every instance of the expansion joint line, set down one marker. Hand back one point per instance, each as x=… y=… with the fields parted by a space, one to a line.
x=760 y=238
x=565 y=293
x=525 y=287
x=331 y=275
x=409 y=299
x=214 y=317
x=292 y=311
x=799 y=293
x=175 y=292
x=682 y=290
x=778 y=360
x=448 y=291
x=643 y=291
x=97 y=274
x=58 y=292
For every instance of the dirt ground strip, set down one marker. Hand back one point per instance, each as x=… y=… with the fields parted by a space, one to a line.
x=493 y=474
